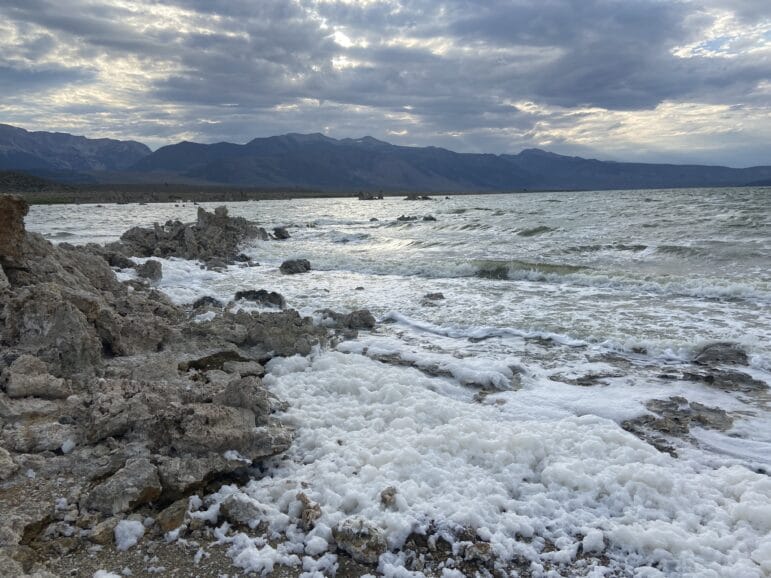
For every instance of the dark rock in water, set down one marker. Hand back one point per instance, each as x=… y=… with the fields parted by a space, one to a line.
x=242 y=258
x=675 y=417
x=433 y=296
x=12 y=212
x=294 y=266
x=721 y=354
x=429 y=218
x=263 y=297
x=212 y=236
x=374 y=220
x=358 y=319
x=359 y=288
x=727 y=380
x=405 y=218
x=216 y=264
x=151 y=269
x=413 y=197
x=281 y=233
x=207 y=301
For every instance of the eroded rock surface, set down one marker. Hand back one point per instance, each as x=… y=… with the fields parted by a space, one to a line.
x=214 y=236
x=111 y=398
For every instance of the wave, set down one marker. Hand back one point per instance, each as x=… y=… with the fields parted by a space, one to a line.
x=540 y=230
x=509 y=269
x=681 y=250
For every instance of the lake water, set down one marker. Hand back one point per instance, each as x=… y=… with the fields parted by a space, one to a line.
x=499 y=407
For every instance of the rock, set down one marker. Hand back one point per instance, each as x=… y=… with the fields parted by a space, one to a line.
x=433 y=296
x=405 y=218
x=728 y=380
x=34 y=436
x=104 y=532
x=213 y=236
x=674 y=417
x=241 y=510
x=213 y=361
x=7 y=466
x=360 y=539
x=28 y=377
x=388 y=497
x=173 y=516
x=270 y=298
x=119 y=261
x=358 y=319
x=244 y=368
x=135 y=484
x=41 y=320
x=309 y=513
x=721 y=354
x=280 y=233
x=12 y=212
x=295 y=266
x=151 y=269
x=283 y=333
x=4 y=283
x=429 y=218
x=207 y=301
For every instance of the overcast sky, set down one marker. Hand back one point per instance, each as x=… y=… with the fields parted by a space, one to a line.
x=646 y=80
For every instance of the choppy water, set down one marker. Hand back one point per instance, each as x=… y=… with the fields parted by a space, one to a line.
x=540 y=289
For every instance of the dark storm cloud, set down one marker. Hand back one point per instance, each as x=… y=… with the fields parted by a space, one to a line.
x=452 y=73
x=19 y=80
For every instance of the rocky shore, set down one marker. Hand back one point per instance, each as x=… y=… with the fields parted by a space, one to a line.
x=115 y=407
x=127 y=422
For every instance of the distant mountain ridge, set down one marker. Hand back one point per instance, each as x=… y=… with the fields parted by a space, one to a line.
x=315 y=161
x=52 y=153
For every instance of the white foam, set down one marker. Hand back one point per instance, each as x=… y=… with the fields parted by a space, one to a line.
x=128 y=533
x=363 y=426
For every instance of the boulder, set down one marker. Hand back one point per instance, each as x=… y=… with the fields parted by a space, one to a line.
x=207 y=301
x=12 y=212
x=213 y=236
x=295 y=266
x=433 y=296
x=28 y=377
x=150 y=269
x=283 y=333
x=173 y=516
x=281 y=233
x=241 y=510
x=721 y=354
x=7 y=466
x=244 y=368
x=429 y=218
x=263 y=297
x=358 y=319
x=360 y=539
x=135 y=484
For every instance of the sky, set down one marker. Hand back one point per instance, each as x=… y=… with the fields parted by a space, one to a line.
x=638 y=80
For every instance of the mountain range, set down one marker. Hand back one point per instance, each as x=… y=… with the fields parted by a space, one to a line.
x=315 y=161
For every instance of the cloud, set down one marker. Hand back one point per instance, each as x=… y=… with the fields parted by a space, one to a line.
x=466 y=75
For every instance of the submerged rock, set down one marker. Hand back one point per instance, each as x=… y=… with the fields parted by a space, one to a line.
x=294 y=266
x=721 y=354
x=281 y=233
x=207 y=301
x=358 y=319
x=263 y=297
x=151 y=269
